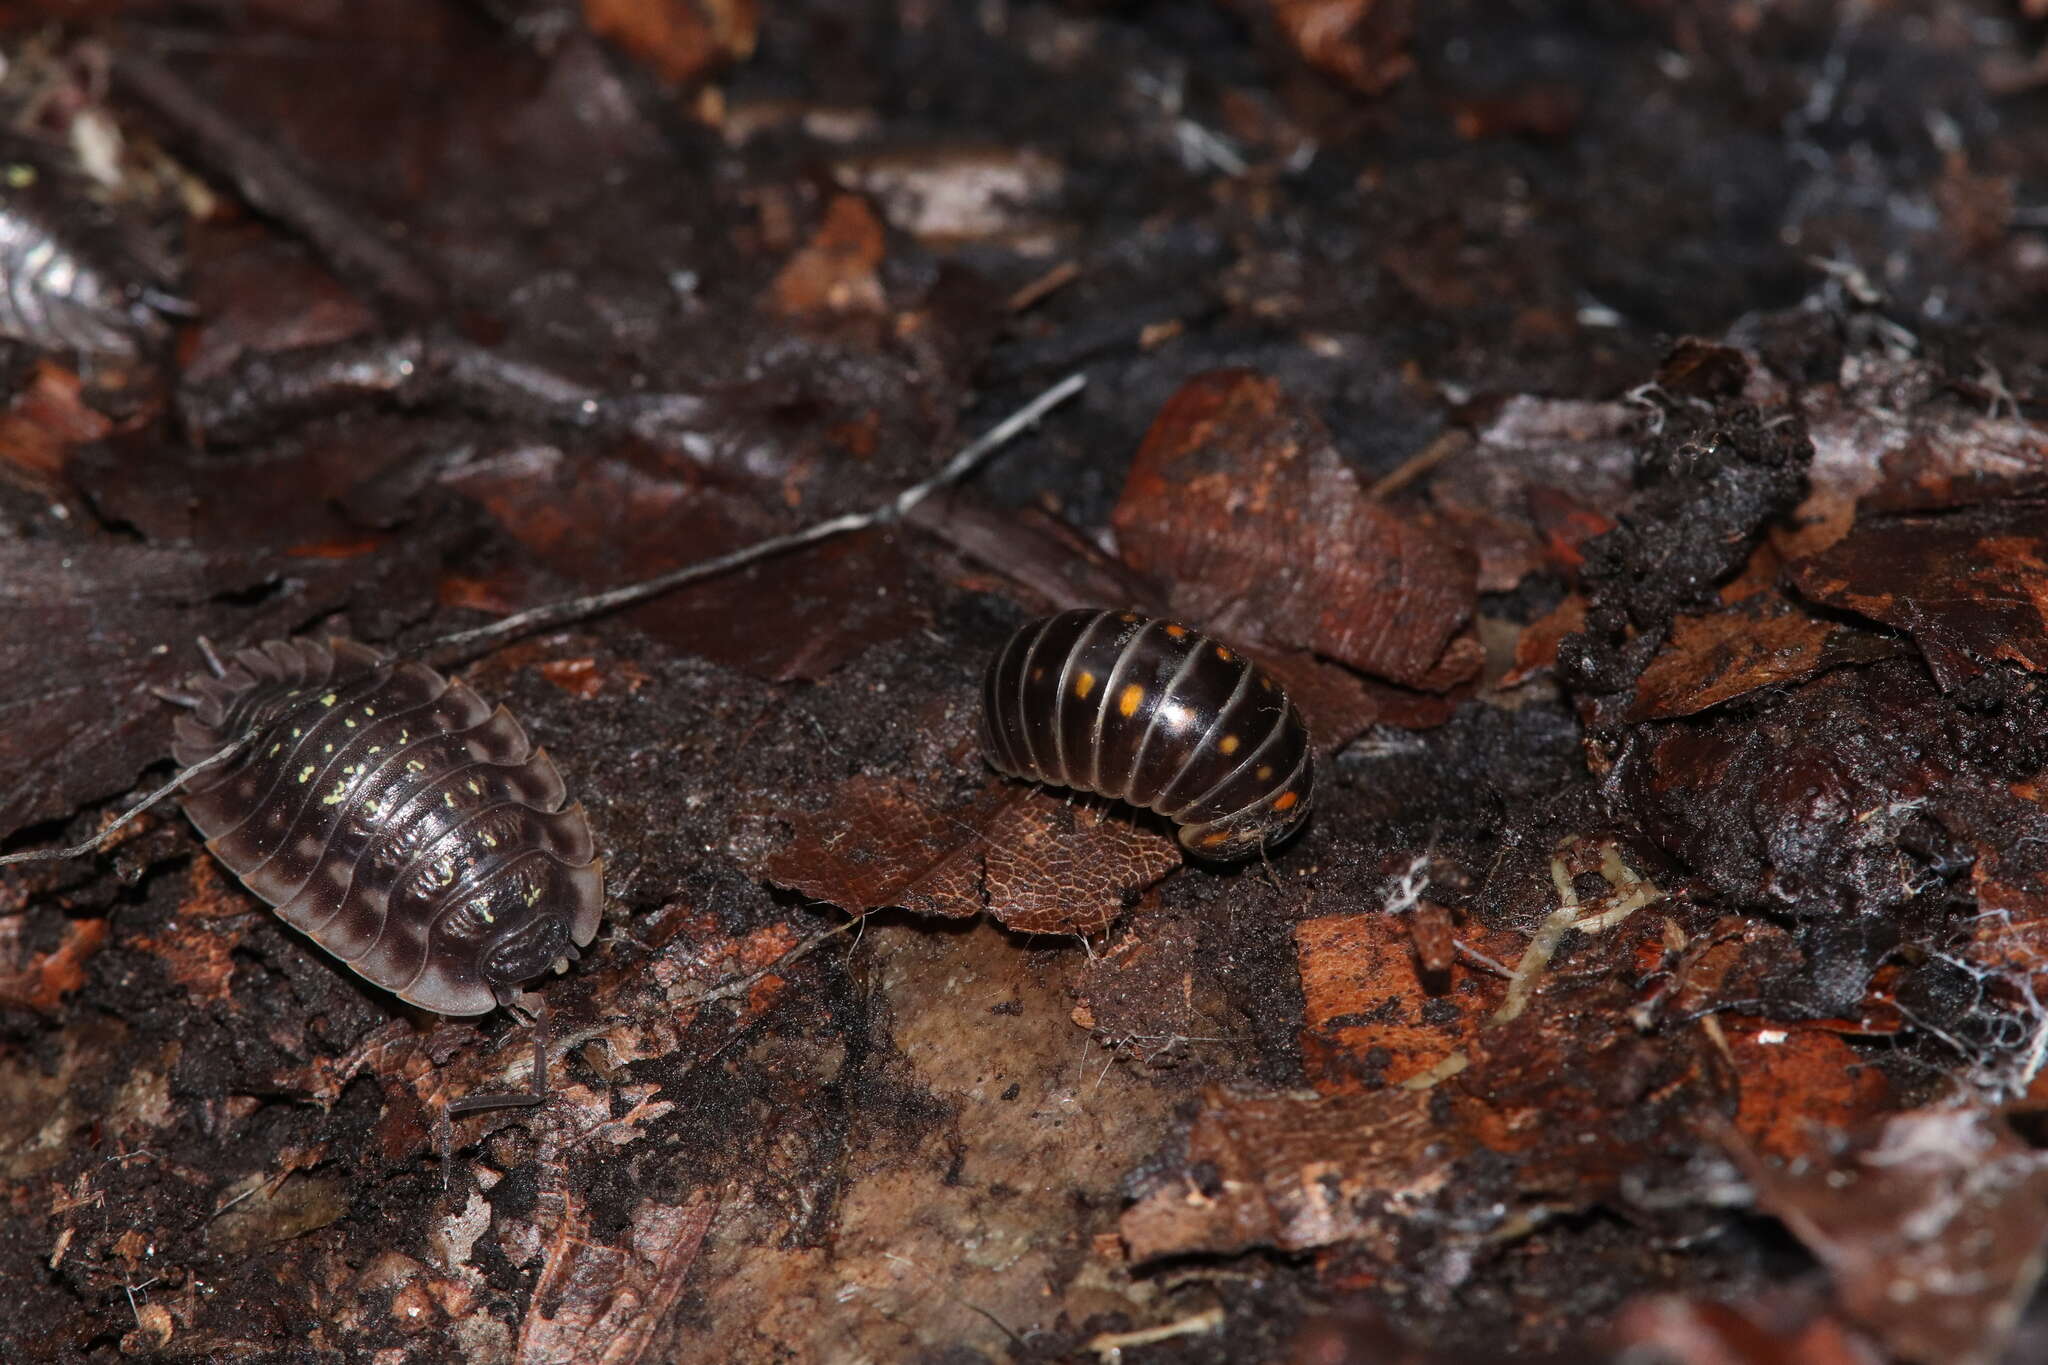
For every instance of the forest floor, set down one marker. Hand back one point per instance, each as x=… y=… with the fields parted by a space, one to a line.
x=1616 y=428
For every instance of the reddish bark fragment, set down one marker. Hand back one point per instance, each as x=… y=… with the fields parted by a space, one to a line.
x=47 y=977
x=1801 y=1088
x=1240 y=501
x=679 y=40
x=1969 y=588
x=1536 y=650
x=1932 y=1227
x=1761 y=641
x=836 y=271
x=1369 y=1017
x=1292 y=1172
x=45 y=420
x=1036 y=862
x=1363 y=43
x=595 y=1301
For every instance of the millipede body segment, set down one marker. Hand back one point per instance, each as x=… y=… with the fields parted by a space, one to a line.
x=401 y=822
x=1154 y=713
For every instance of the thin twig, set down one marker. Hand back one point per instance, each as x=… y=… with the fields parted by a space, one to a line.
x=37 y=855
x=271 y=185
x=450 y=647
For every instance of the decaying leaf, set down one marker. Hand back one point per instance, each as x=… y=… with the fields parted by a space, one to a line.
x=1763 y=640
x=1238 y=499
x=1970 y=588
x=1036 y=862
x=1932 y=1226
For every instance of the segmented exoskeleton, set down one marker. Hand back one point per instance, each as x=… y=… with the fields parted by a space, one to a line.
x=1157 y=714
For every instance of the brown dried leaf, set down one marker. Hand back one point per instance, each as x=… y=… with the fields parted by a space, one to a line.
x=1038 y=863
x=636 y=514
x=1764 y=640
x=1969 y=587
x=1336 y=705
x=1240 y=501
x=1053 y=866
x=1678 y=1332
x=1932 y=1228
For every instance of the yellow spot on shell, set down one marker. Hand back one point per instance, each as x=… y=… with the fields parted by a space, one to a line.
x=306 y=773
x=1265 y=682
x=335 y=797
x=328 y=700
x=327 y=748
x=1287 y=802
x=449 y=797
x=1265 y=771
x=488 y=917
x=533 y=895
x=1128 y=701
x=489 y=842
x=413 y=765
x=1084 y=684
x=369 y=710
x=274 y=748
x=1228 y=744
x=349 y=723
x=474 y=789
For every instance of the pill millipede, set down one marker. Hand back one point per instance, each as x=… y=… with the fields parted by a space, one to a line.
x=1157 y=714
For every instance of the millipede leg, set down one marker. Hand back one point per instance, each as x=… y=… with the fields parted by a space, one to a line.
x=213 y=662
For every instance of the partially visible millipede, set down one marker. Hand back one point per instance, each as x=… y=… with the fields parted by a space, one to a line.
x=1157 y=714
x=392 y=815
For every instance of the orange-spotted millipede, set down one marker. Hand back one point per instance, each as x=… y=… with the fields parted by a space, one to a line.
x=1157 y=714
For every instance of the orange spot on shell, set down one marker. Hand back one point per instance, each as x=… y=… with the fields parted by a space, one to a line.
x=1128 y=700
x=1224 y=654
x=1287 y=802
x=1221 y=836
x=1084 y=684
x=1228 y=744
x=1177 y=632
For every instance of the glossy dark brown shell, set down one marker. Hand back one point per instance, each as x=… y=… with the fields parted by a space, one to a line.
x=393 y=816
x=70 y=278
x=1154 y=713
